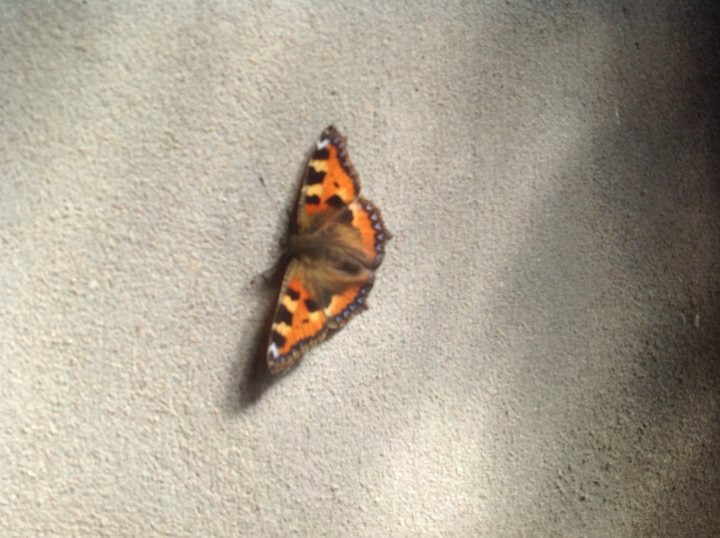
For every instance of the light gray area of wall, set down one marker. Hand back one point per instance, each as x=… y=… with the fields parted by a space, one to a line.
x=541 y=353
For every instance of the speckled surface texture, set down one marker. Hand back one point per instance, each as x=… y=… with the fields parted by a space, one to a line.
x=541 y=353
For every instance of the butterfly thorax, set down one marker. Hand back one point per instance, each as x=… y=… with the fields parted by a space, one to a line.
x=331 y=253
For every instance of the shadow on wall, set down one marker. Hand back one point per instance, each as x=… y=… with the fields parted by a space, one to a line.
x=659 y=196
x=249 y=377
x=679 y=364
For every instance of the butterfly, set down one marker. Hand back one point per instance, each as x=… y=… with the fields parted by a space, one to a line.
x=337 y=241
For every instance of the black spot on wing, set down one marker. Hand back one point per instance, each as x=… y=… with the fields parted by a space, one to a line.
x=294 y=295
x=311 y=305
x=283 y=315
x=335 y=201
x=312 y=200
x=321 y=154
x=278 y=339
x=314 y=177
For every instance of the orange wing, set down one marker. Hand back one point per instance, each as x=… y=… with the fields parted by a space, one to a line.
x=330 y=182
x=367 y=220
x=299 y=321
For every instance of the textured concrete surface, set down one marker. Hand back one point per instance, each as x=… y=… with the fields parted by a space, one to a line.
x=541 y=353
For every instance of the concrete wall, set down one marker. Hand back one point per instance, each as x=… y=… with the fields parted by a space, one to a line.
x=541 y=353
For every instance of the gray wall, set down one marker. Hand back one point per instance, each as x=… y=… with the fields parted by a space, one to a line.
x=541 y=353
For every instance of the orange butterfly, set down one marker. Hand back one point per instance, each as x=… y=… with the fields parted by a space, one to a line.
x=336 y=247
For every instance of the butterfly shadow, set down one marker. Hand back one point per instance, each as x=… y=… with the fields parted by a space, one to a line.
x=250 y=377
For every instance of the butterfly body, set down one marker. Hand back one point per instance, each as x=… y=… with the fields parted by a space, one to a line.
x=336 y=247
